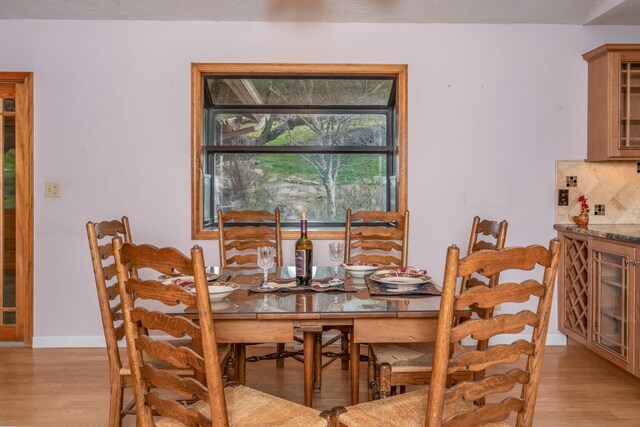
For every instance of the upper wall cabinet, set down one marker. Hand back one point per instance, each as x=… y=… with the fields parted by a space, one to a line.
x=614 y=102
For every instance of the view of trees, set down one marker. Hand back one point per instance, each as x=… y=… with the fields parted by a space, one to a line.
x=322 y=183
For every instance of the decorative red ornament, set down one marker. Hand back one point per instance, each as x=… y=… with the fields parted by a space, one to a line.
x=583 y=202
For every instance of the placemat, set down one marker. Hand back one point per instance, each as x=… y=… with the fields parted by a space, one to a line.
x=289 y=285
x=376 y=288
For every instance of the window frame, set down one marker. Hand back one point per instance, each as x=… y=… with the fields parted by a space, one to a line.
x=200 y=70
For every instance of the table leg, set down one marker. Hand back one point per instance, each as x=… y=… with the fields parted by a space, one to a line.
x=354 y=362
x=308 y=345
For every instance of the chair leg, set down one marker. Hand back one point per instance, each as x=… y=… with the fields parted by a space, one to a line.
x=317 y=361
x=239 y=355
x=371 y=374
x=344 y=348
x=231 y=369
x=115 y=400
x=280 y=360
x=385 y=380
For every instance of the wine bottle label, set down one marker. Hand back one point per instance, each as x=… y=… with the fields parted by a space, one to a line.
x=301 y=262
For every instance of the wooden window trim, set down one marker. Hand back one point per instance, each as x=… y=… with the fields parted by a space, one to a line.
x=200 y=70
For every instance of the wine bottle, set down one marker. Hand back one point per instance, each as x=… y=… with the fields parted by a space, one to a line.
x=304 y=254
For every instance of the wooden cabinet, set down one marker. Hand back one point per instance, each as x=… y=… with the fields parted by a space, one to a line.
x=613 y=130
x=598 y=302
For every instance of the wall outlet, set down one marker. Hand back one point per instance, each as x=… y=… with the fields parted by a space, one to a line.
x=52 y=189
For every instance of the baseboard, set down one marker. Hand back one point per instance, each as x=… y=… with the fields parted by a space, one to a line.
x=68 y=342
x=98 y=341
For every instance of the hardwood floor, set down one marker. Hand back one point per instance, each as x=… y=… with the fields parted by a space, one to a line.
x=69 y=387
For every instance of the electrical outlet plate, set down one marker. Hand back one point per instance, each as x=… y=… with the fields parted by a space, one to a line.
x=52 y=189
x=563 y=197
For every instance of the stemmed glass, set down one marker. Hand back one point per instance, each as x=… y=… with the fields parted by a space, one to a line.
x=265 y=262
x=336 y=256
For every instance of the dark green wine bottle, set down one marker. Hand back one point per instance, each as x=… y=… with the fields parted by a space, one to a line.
x=304 y=255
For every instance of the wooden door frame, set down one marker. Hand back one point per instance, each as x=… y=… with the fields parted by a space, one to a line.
x=24 y=202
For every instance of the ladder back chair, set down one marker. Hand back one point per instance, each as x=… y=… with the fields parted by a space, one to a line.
x=240 y=234
x=399 y=365
x=200 y=400
x=100 y=235
x=515 y=368
x=377 y=237
x=371 y=237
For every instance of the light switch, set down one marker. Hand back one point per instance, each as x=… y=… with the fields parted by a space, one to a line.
x=52 y=189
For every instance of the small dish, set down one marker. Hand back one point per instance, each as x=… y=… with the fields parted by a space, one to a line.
x=360 y=270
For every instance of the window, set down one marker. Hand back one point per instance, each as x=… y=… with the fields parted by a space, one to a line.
x=318 y=138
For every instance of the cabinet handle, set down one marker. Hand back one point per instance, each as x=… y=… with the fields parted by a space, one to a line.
x=629 y=261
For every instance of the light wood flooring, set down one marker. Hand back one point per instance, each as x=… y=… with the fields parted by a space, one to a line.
x=69 y=387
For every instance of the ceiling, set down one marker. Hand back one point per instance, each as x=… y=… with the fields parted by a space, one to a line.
x=571 y=12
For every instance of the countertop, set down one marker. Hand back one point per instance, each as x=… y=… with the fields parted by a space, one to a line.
x=629 y=233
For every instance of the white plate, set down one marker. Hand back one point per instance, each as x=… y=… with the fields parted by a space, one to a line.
x=360 y=270
x=182 y=279
x=401 y=281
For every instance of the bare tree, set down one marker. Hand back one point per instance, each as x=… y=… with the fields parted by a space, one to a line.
x=333 y=129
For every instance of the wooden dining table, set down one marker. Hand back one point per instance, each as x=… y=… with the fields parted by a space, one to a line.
x=250 y=317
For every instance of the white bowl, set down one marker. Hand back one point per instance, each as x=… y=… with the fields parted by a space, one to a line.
x=360 y=270
x=221 y=290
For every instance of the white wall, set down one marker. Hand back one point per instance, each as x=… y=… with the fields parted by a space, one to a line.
x=491 y=107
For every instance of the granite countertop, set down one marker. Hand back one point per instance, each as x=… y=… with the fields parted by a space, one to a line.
x=629 y=233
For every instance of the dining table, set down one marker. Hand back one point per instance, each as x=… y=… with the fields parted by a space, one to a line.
x=250 y=316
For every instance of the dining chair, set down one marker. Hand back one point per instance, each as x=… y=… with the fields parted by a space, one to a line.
x=240 y=234
x=401 y=364
x=104 y=271
x=371 y=237
x=200 y=400
x=100 y=237
x=377 y=237
x=514 y=359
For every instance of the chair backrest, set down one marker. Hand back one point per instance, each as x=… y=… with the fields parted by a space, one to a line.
x=100 y=237
x=377 y=237
x=242 y=232
x=490 y=262
x=485 y=234
x=152 y=387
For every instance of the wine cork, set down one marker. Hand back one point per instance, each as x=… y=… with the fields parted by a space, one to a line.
x=304 y=215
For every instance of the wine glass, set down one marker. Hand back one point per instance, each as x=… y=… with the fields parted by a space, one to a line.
x=265 y=262
x=336 y=256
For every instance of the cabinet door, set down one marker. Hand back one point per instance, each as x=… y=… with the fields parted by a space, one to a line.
x=612 y=303
x=629 y=108
x=573 y=289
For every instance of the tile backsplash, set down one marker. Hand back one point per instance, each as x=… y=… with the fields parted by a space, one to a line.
x=612 y=190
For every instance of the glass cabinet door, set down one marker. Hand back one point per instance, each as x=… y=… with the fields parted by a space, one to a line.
x=610 y=307
x=629 y=105
x=8 y=291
